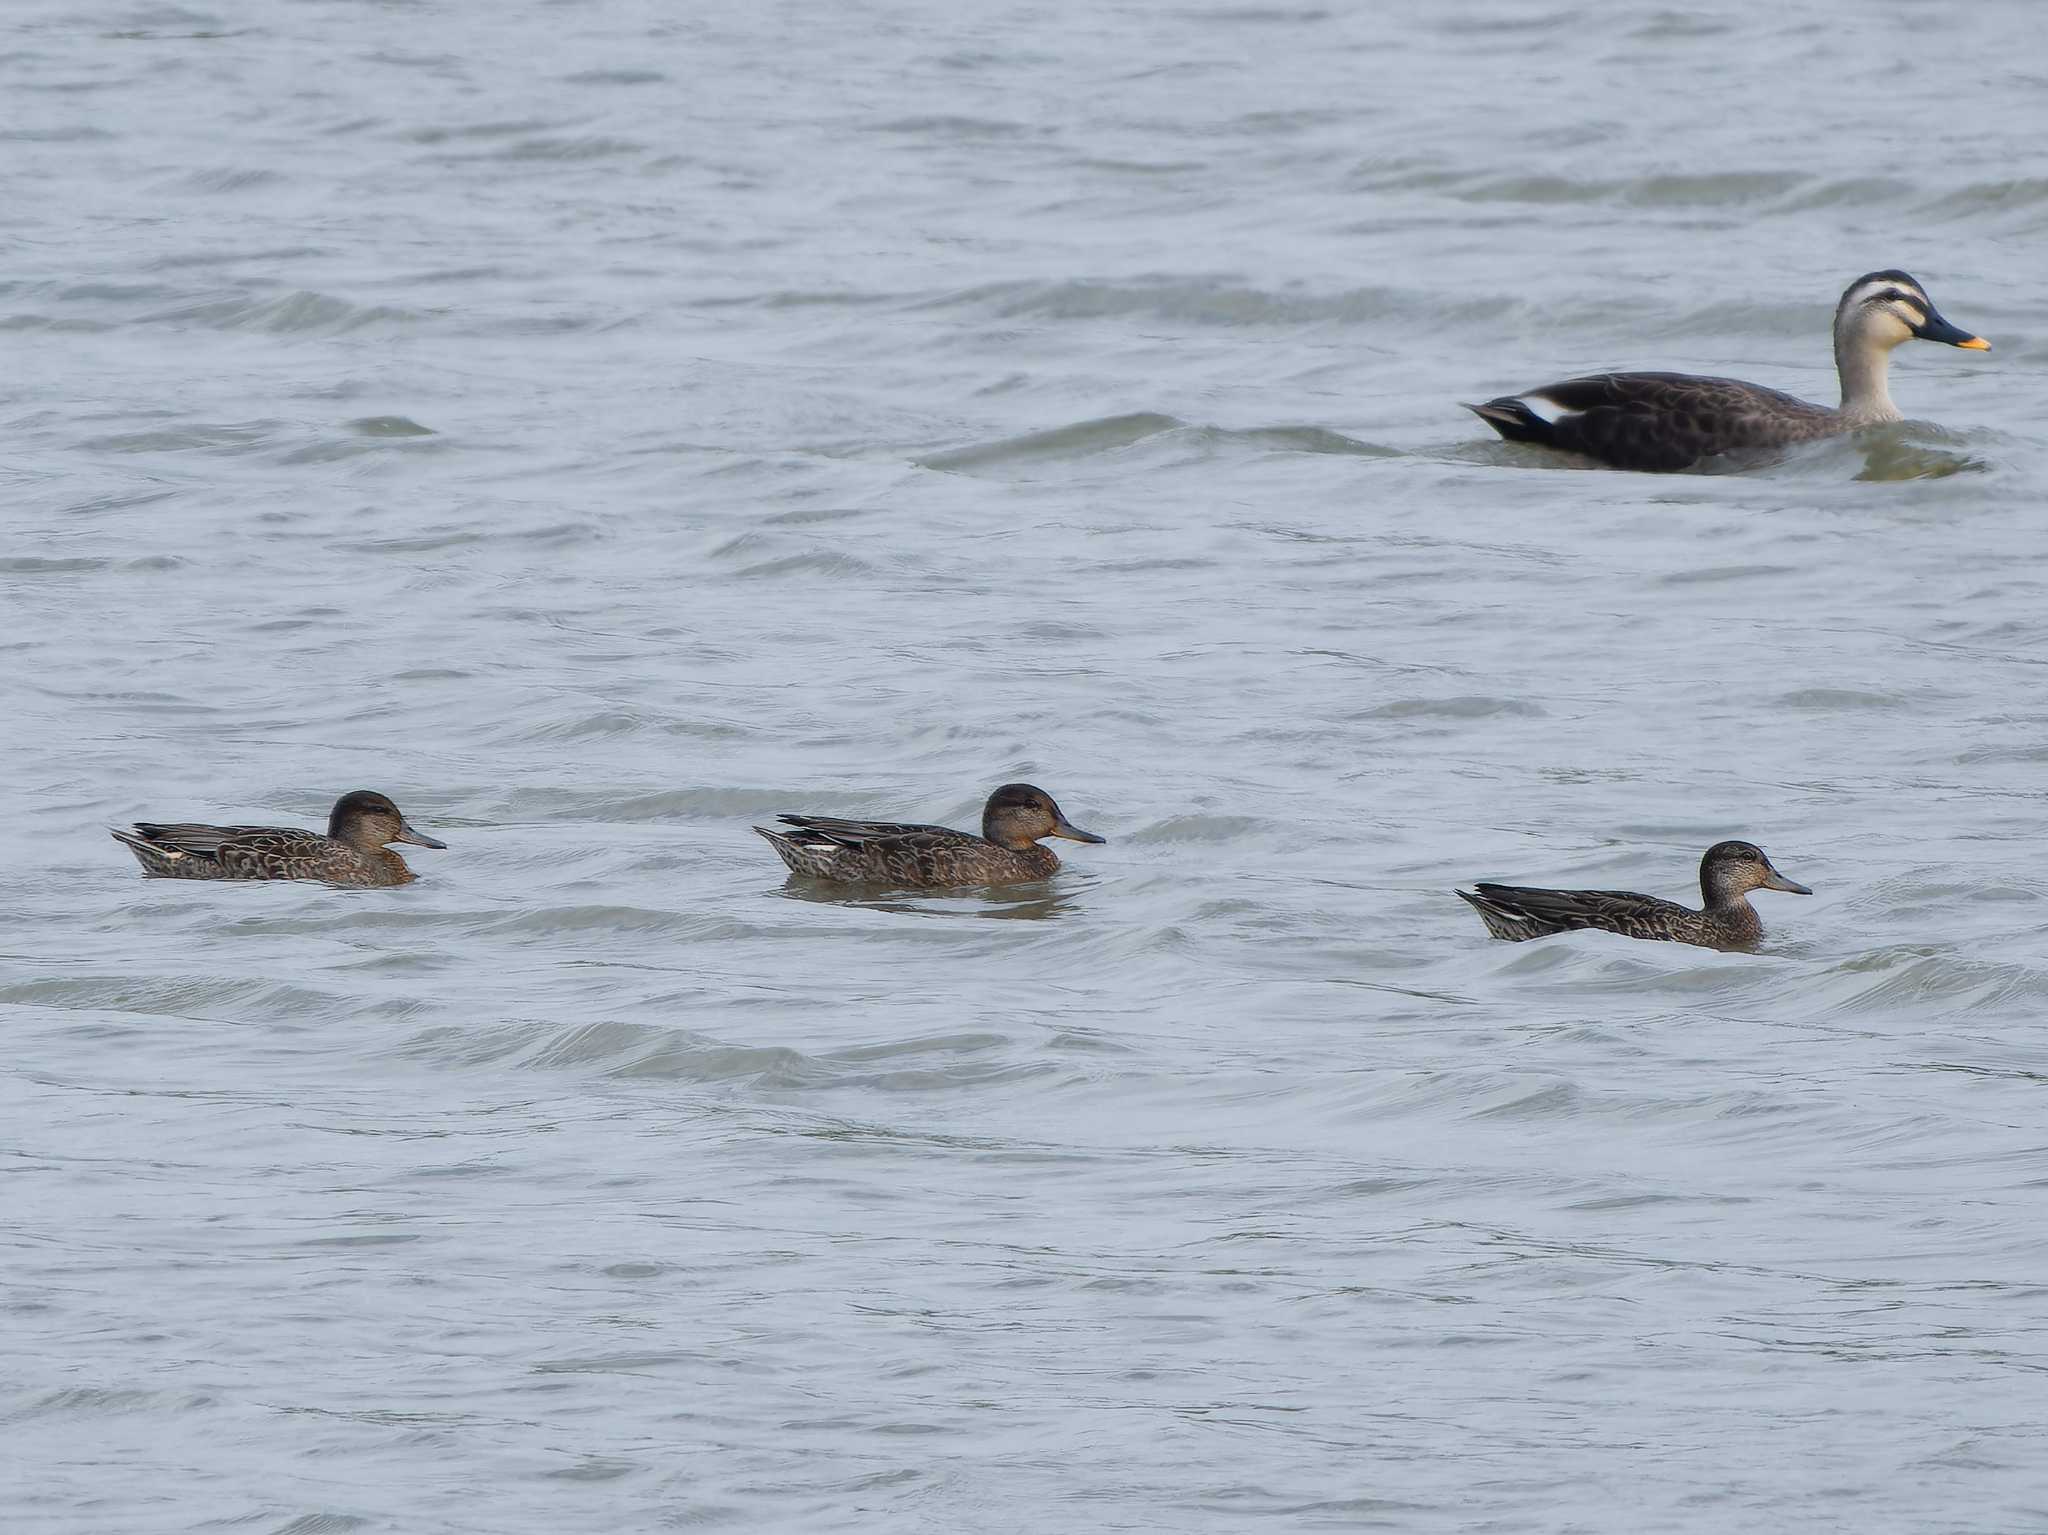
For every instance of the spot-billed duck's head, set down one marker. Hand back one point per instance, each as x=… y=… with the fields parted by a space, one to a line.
x=1881 y=309
x=1018 y=814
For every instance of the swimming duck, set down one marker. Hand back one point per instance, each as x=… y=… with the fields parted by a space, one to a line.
x=353 y=851
x=1728 y=872
x=932 y=857
x=1668 y=421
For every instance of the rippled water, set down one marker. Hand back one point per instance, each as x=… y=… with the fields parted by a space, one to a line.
x=603 y=426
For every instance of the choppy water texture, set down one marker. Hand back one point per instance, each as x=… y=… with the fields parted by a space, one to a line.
x=604 y=425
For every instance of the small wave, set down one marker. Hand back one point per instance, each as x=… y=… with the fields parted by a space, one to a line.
x=1475 y=707
x=289 y=314
x=1199 y=828
x=630 y=1362
x=802 y=298
x=1989 y=196
x=1858 y=192
x=1771 y=191
x=1287 y=122
x=501 y=129
x=1896 y=459
x=1290 y=439
x=1546 y=1100
x=694 y=927
x=232 y=438
x=335 y=450
x=30 y=565
x=812 y=516
x=955 y=127
x=228 y=179
x=1917 y=980
x=1026 y=903
x=574 y=150
x=1906 y=450
x=617 y=723
x=1875 y=454
x=388 y=426
x=1267 y=15
x=1078 y=440
x=1543 y=190
x=1715 y=574
x=617 y=77
x=1663 y=26
x=421 y=543
x=82 y=133
x=550 y=804
x=1719 y=190
x=112 y=292
x=822 y=562
x=1197 y=301
x=103 y=1400
x=238 y=257
x=640 y=1052
x=183 y=996
x=1834 y=700
x=1116 y=167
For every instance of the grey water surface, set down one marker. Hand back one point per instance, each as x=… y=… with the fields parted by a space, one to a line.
x=602 y=426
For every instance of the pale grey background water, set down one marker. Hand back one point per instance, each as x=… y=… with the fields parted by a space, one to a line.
x=602 y=425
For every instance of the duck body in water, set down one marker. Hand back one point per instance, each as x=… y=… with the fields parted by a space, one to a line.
x=1728 y=872
x=353 y=852
x=909 y=856
x=1671 y=421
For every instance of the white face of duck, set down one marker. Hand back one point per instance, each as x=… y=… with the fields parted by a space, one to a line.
x=1885 y=308
x=1882 y=311
x=1877 y=313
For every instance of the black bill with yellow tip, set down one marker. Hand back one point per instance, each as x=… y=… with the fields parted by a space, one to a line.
x=1935 y=328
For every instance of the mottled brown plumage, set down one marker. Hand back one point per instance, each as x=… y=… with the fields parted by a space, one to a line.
x=931 y=857
x=352 y=852
x=1728 y=872
x=1670 y=421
